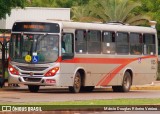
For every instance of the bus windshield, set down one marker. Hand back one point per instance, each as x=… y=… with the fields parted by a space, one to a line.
x=34 y=48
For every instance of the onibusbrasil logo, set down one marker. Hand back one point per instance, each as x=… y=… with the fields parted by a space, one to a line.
x=20 y=108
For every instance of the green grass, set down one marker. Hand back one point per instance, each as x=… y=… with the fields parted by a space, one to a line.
x=87 y=105
x=155 y=101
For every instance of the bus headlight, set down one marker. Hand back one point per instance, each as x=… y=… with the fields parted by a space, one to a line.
x=13 y=70
x=52 y=71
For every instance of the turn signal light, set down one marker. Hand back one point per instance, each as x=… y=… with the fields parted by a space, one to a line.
x=52 y=71
x=13 y=70
x=50 y=81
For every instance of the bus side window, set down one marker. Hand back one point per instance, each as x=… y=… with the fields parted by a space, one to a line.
x=149 y=44
x=94 y=41
x=108 y=42
x=81 y=42
x=135 y=44
x=122 y=43
x=68 y=43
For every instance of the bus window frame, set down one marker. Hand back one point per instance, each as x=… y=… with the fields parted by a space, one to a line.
x=65 y=55
x=145 y=44
x=140 y=43
x=128 y=46
x=109 y=43
x=84 y=41
x=100 y=41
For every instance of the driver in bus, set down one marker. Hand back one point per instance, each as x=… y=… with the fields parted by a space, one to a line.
x=55 y=48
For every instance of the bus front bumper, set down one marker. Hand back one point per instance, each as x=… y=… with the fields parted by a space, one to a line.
x=28 y=80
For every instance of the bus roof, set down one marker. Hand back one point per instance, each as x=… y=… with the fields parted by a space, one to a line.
x=99 y=26
x=108 y=27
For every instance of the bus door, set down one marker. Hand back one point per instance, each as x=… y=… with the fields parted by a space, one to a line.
x=67 y=53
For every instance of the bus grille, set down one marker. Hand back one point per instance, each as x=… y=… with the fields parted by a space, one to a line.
x=28 y=73
x=32 y=79
x=26 y=68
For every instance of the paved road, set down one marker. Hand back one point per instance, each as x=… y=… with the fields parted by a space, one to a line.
x=21 y=94
x=50 y=95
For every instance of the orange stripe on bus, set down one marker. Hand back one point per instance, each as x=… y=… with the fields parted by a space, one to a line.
x=102 y=60
x=104 y=77
x=98 y=60
x=108 y=78
x=111 y=76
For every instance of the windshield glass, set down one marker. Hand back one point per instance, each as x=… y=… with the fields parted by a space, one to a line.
x=34 y=48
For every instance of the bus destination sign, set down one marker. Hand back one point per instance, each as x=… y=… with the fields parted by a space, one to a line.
x=36 y=27
x=42 y=27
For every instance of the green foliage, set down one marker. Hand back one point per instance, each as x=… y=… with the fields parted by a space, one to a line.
x=70 y=3
x=110 y=10
x=83 y=14
x=41 y=3
x=64 y=3
x=152 y=8
x=56 y=3
x=7 y=5
x=135 y=12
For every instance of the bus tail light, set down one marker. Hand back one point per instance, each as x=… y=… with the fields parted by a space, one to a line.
x=52 y=71
x=13 y=70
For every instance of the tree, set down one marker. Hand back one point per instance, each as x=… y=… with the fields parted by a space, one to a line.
x=70 y=3
x=111 y=10
x=56 y=3
x=151 y=8
x=41 y=3
x=83 y=14
x=120 y=11
x=7 y=5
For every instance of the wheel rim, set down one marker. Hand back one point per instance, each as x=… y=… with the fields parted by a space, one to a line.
x=127 y=82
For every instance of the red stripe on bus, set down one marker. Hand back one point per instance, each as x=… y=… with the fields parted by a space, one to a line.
x=107 y=78
x=102 y=60
x=104 y=77
x=98 y=60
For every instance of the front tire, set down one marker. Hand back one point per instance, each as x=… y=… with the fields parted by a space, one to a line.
x=76 y=84
x=33 y=88
x=126 y=84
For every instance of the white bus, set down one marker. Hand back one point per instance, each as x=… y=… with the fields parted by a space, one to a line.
x=81 y=56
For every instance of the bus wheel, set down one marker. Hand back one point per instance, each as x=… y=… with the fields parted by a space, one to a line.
x=76 y=84
x=126 y=85
x=87 y=88
x=33 y=88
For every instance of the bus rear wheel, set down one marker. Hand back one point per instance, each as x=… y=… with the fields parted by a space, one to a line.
x=33 y=88
x=126 y=84
x=76 y=84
